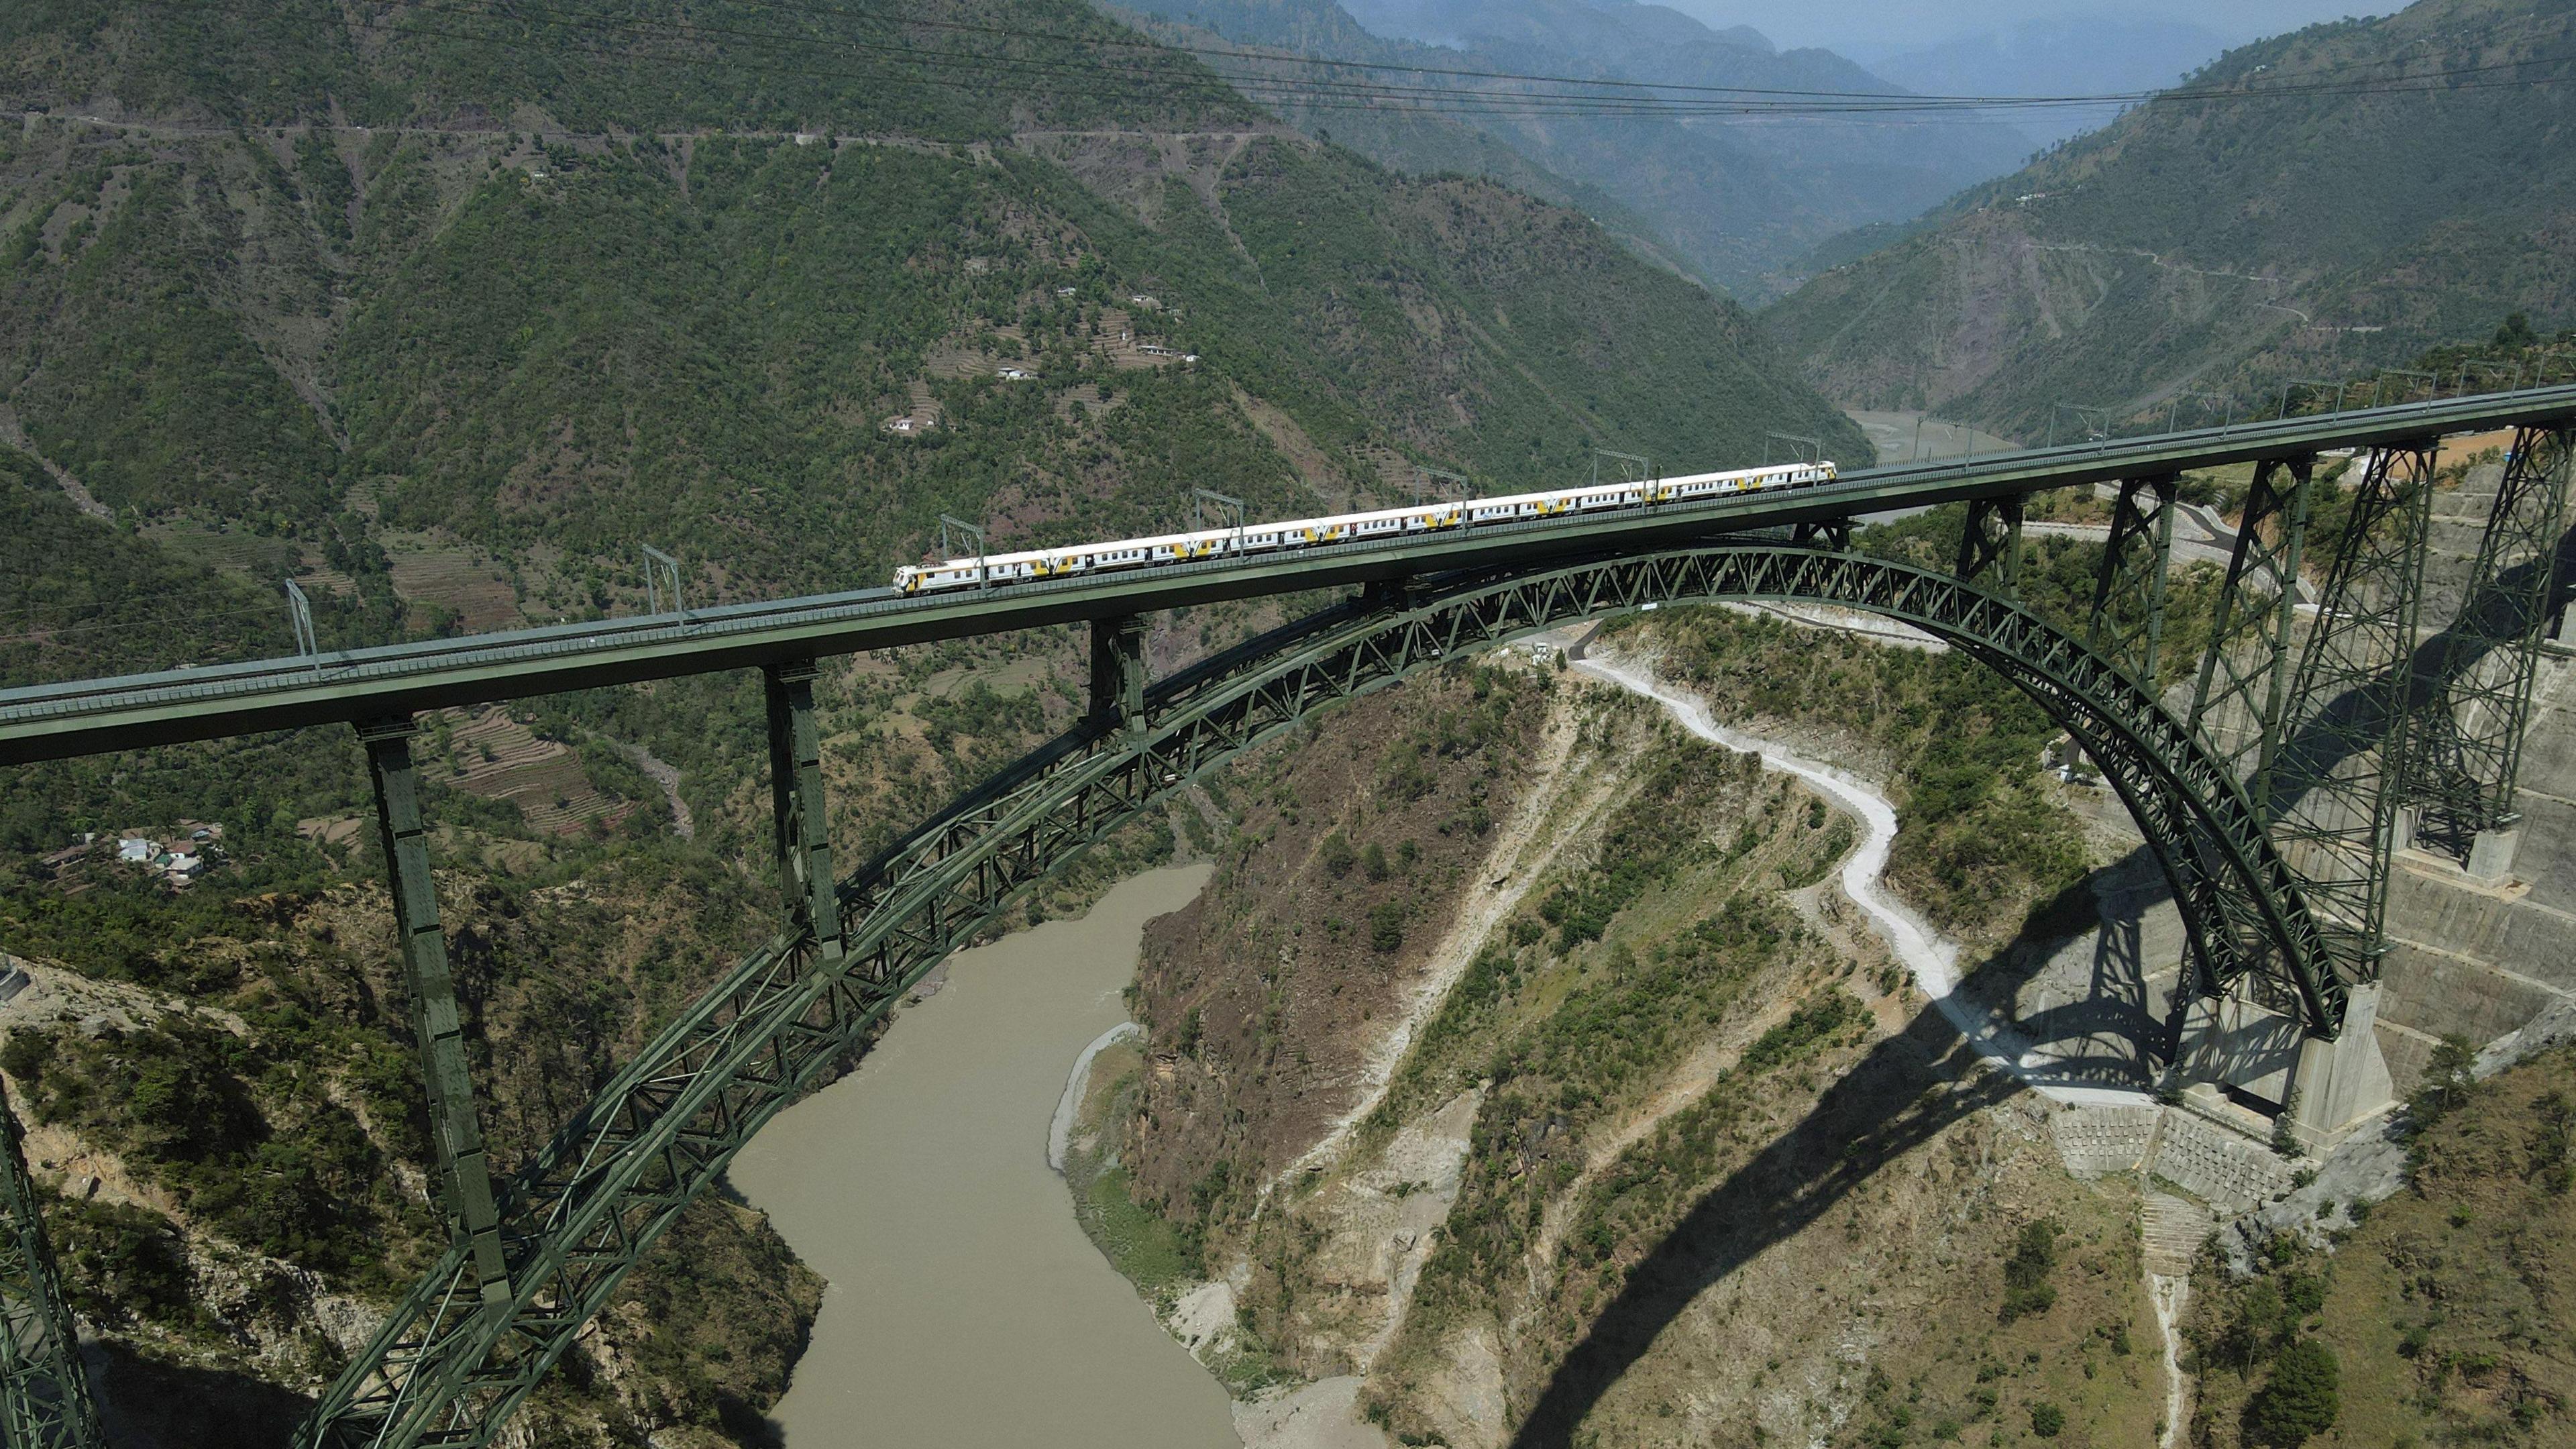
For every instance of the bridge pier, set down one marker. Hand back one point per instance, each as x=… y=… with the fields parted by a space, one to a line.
x=2129 y=591
x=2340 y=1084
x=2245 y=673
x=2487 y=856
x=45 y=1400
x=2323 y=1087
x=2466 y=753
x=1118 y=671
x=438 y=1027
x=1991 y=543
x=801 y=831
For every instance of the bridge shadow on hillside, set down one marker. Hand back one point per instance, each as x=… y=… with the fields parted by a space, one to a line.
x=1905 y=1091
x=1887 y=1104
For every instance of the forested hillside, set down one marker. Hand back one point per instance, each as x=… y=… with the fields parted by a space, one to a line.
x=2336 y=200
x=444 y=311
x=404 y=294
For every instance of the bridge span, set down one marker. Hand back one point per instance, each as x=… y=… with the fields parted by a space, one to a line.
x=217 y=700
x=2272 y=798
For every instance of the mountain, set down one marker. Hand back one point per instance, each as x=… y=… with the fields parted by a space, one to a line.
x=467 y=288
x=2314 y=205
x=445 y=312
x=1739 y=199
x=2057 y=55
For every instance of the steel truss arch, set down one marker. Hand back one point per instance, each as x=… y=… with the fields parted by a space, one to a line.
x=448 y=1368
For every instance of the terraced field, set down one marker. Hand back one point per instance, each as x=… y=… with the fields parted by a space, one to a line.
x=459 y=580
x=494 y=756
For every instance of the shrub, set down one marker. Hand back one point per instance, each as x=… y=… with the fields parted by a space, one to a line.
x=2047 y=1420
x=2301 y=1400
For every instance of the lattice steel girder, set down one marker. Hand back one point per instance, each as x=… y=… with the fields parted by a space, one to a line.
x=44 y=1392
x=2245 y=673
x=2128 y=621
x=596 y=1197
x=1992 y=541
x=2466 y=750
x=2340 y=773
x=438 y=1026
x=801 y=830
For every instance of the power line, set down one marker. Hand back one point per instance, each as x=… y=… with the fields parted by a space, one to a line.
x=1647 y=99
x=1133 y=82
x=1603 y=82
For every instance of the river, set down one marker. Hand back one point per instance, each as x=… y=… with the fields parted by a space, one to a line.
x=966 y=1306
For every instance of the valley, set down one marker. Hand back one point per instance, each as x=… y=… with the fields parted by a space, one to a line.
x=1598 y=979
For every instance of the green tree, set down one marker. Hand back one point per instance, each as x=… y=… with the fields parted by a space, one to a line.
x=1336 y=856
x=2026 y=1285
x=2448 y=1079
x=1386 y=927
x=2302 y=1399
x=2047 y=1420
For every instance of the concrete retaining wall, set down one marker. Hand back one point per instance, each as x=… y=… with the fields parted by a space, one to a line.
x=2220 y=1166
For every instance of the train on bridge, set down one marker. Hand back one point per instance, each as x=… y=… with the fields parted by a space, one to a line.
x=1340 y=528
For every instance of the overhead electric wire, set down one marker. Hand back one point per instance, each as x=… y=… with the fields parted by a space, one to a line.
x=1441 y=97
x=1133 y=82
x=1845 y=100
x=1292 y=58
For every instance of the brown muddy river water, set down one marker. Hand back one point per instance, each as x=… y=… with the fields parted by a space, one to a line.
x=966 y=1307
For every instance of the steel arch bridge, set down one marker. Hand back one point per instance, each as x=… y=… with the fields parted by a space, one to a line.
x=458 y=1357
x=2271 y=791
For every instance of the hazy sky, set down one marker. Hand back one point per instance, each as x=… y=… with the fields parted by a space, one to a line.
x=1877 y=24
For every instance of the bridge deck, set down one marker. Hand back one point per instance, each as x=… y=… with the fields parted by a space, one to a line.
x=78 y=717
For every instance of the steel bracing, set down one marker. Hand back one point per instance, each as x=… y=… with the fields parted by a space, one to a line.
x=44 y=1392
x=1990 y=543
x=2245 y=672
x=801 y=835
x=2335 y=781
x=2472 y=710
x=2127 y=624
x=445 y=1371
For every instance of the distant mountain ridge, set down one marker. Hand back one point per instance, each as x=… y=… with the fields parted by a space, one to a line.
x=2083 y=54
x=1580 y=23
x=1739 y=200
x=2228 y=246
